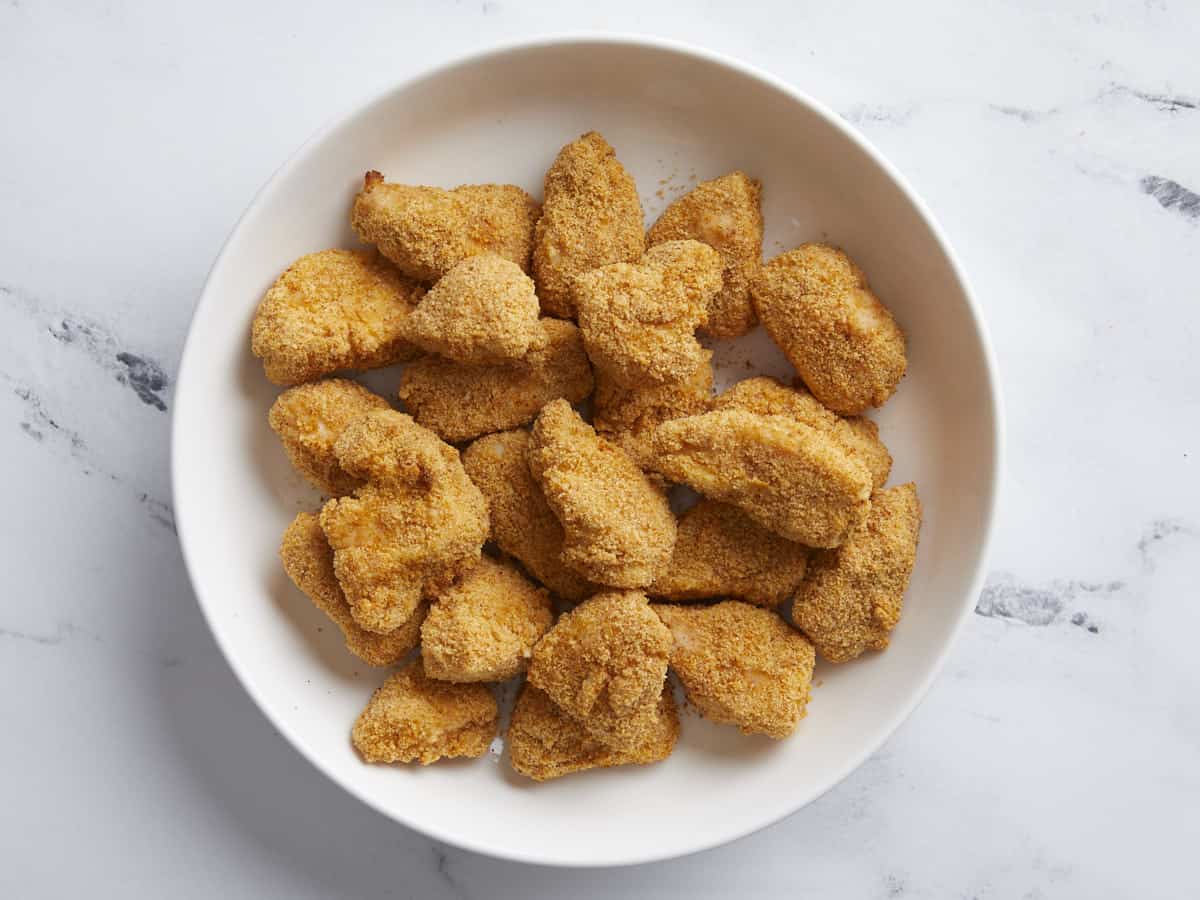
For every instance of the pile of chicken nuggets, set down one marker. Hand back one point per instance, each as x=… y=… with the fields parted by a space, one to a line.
x=500 y=534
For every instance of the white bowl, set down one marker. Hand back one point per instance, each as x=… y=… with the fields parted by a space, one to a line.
x=672 y=112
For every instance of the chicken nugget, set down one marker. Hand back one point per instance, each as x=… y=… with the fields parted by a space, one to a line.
x=414 y=718
x=857 y=434
x=817 y=306
x=591 y=217
x=639 y=319
x=741 y=665
x=628 y=416
x=484 y=627
x=724 y=213
x=337 y=309
x=852 y=596
x=415 y=525
x=309 y=419
x=789 y=477
x=722 y=552
x=604 y=664
x=426 y=231
x=618 y=527
x=544 y=742
x=461 y=402
x=308 y=561
x=523 y=525
x=483 y=310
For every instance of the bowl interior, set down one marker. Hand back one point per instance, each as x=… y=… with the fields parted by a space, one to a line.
x=674 y=116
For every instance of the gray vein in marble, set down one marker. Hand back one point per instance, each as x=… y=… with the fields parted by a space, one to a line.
x=1004 y=597
x=62 y=631
x=141 y=374
x=878 y=114
x=1173 y=196
x=1152 y=539
x=1169 y=103
x=444 y=873
x=1023 y=114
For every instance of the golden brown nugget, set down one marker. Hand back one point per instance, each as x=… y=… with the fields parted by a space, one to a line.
x=591 y=217
x=544 y=742
x=308 y=561
x=722 y=552
x=639 y=319
x=741 y=665
x=413 y=718
x=724 y=213
x=309 y=419
x=618 y=527
x=414 y=526
x=337 y=309
x=604 y=664
x=461 y=402
x=484 y=627
x=483 y=310
x=426 y=231
x=523 y=525
x=853 y=595
x=817 y=306
x=857 y=434
x=628 y=416
x=790 y=478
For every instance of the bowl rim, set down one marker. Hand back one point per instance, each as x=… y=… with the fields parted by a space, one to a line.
x=191 y=358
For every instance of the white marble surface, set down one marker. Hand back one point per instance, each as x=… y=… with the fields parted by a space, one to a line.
x=1059 y=754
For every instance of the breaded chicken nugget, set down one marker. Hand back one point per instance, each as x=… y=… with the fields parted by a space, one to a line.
x=741 y=665
x=817 y=306
x=483 y=310
x=309 y=419
x=523 y=525
x=619 y=530
x=639 y=319
x=604 y=664
x=416 y=525
x=724 y=213
x=484 y=627
x=426 y=231
x=853 y=595
x=544 y=742
x=790 y=478
x=460 y=402
x=591 y=217
x=413 y=718
x=337 y=309
x=857 y=434
x=308 y=561
x=722 y=552
x=628 y=416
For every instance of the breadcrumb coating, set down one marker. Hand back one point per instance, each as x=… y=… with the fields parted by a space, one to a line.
x=337 y=309
x=545 y=743
x=426 y=231
x=523 y=525
x=484 y=627
x=309 y=419
x=722 y=552
x=789 y=477
x=853 y=596
x=628 y=416
x=591 y=217
x=817 y=306
x=726 y=214
x=413 y=718
x=741 y=665
x=639 y=319
x=461 y=402
x=416 y=525
x=619 y=529
x=604 y=663
x=483 y=310
x=308 y=561
x=857 y=434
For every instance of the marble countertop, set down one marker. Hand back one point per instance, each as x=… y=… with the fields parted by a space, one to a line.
x=1059 y=753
